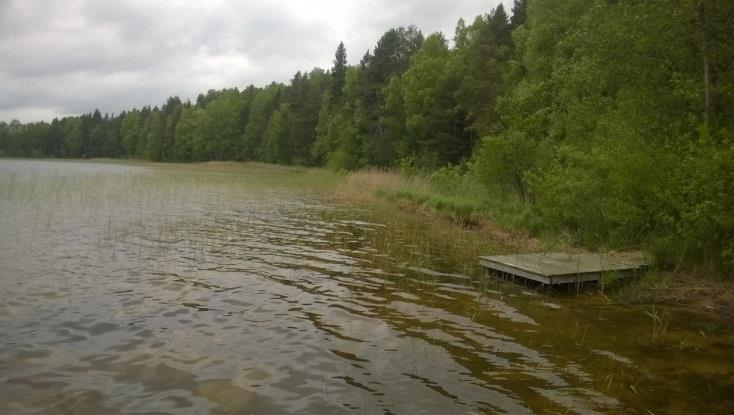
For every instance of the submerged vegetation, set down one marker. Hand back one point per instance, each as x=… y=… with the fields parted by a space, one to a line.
x=611 y=123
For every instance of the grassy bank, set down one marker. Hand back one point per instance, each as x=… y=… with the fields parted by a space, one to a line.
x=462 y=220
x=454 y=201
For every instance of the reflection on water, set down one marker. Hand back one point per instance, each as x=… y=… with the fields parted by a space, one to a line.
x=149 y=290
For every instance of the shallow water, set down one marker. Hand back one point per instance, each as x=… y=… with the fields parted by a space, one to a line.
x=194 y=289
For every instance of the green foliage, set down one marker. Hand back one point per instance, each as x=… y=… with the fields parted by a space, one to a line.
x=392 y=124
x=407 y=167
x=131 y=125
x=221 y=126
x=305 y=100
x=706 y=224
x=153 y=133
x=4 y=138
x=275 y=140
x=519 y=13
x=190 y=136
x=617 y=116
x=338 y=72
x=325 y=142
x=483 y=54
x=392 y=54
x=457 y=208
x=264 y=104
x=503 y=162
x=349 y=129
x=434 y=129
x=449 y=180
x=73 y=144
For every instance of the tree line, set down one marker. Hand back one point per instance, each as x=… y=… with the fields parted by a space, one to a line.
x=409 y=98
x=611 y=120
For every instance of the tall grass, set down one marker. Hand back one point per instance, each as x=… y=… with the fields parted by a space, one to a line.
x=367 y=184
x=446 y=192
x=449 y=210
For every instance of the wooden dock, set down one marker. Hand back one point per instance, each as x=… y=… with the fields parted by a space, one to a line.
x=562 y=268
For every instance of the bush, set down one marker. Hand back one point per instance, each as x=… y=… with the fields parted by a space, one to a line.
x=706 y=218
x=502 y=162
x=608 y=195
x=448 y=180
x=677 y=203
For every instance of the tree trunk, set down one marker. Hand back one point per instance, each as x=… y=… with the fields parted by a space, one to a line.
x=706 y=69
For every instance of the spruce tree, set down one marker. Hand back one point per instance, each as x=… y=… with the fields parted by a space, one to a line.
x=338 y=72
x=519 y=13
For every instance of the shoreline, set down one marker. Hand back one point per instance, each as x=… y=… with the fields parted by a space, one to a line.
x=698 y=290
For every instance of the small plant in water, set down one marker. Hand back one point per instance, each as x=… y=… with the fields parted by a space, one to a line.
x=660 y=322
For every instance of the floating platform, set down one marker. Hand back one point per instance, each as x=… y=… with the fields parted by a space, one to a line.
x=563 y=268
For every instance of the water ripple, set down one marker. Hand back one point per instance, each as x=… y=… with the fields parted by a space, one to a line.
x=148 y=292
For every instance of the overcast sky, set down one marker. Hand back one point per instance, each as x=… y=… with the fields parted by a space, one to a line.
x=68 y=57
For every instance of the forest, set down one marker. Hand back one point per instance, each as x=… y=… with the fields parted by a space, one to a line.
x=612 y=121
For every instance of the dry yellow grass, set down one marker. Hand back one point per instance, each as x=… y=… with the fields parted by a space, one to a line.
x=366 y=184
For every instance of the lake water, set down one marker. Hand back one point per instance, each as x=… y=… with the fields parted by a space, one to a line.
x=245 y=289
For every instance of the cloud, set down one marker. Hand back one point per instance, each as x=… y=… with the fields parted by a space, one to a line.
x=61 y=58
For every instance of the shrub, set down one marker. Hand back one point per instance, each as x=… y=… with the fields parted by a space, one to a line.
x=502 y=162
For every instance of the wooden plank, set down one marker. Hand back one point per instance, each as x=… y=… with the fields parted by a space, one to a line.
x=512 y=270
x=560 y=268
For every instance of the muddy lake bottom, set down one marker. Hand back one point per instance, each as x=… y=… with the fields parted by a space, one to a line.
x=190 y=289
